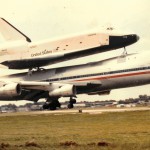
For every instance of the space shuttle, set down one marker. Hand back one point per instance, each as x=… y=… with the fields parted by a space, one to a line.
x=19 y=52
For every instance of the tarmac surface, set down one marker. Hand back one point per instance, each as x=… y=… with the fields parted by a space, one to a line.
x=94 y=110
x=75 y=111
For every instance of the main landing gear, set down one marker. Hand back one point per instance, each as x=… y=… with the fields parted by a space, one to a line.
x=52 y=104
x=71 y=102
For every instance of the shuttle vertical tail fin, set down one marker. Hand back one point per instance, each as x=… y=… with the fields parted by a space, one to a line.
x=10 y=33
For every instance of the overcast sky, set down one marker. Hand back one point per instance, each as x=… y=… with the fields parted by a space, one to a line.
x=42 y=19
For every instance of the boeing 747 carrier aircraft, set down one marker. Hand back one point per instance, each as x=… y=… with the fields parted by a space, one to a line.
x=18 y=52
x=126 y=70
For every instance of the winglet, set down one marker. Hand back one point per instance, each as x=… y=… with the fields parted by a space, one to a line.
x=10 y=33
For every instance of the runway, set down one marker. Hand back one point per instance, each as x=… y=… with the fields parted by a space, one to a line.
x=93 y=110
x=77 y=111
x=90 y=110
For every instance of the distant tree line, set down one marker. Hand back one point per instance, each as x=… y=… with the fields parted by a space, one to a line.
x=143 y=98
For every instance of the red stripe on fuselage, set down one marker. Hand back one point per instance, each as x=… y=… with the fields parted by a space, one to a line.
x=115 y=76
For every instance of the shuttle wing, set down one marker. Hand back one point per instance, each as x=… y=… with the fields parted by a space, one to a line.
x=32 y=62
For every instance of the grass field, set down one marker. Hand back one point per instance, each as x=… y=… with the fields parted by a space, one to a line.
x=117 y=131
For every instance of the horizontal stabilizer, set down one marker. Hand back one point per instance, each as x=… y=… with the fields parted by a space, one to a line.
x=10 y=33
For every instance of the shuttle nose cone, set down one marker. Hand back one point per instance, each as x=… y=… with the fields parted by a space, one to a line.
x=130 y=39
x=137 y=37
x=134 y=37
x=122 y=41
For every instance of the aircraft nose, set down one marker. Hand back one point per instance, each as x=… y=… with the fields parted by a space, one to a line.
x=131 y=38
x=137 y=37
x=122 y=41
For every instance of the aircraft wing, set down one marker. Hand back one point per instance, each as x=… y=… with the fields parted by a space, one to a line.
x=60 y=89
x=35 y=90
x=32 y=62
x=48 y=86
x=52 y=59
x=25 y=90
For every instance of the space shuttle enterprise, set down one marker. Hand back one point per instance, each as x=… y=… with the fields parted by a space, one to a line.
x=18 y=52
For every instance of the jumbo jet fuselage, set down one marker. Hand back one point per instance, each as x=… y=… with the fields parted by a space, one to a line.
x=118 y=72
x=93 y=78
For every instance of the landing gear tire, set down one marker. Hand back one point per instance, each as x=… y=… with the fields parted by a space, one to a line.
x=51 y=104
x=70 y=105
x=71 y=102
x=52 y=108
x=46 y=106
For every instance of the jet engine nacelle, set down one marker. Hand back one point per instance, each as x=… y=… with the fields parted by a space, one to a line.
x=9 y=90
x=63 y=91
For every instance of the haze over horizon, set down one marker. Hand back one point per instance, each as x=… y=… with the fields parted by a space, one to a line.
x=44 y=19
